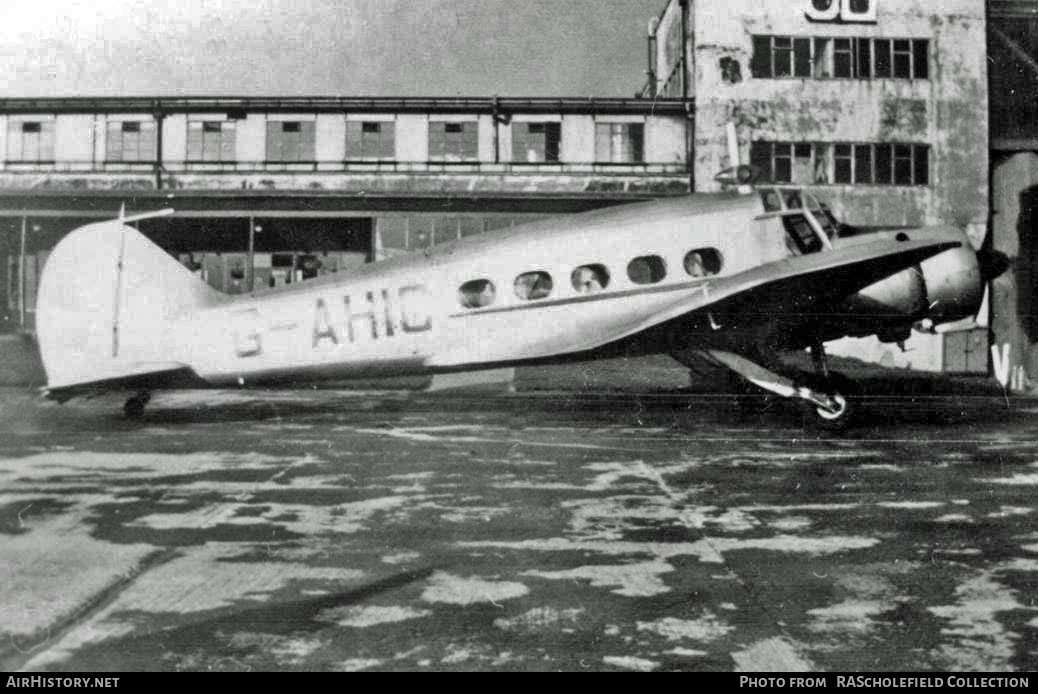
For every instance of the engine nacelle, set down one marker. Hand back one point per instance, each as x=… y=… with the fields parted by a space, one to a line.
x=946 y=287
x=954 y=287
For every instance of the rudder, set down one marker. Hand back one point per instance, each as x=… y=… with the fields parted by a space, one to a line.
x=107 y=302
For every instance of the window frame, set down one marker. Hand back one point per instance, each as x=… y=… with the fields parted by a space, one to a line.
x=655 y=262
x=465 y=296
x=42 y=141
x=453 y=144
x=631 y=137
x=146 y=135
x=366 y=144
x=548 y=146
x=537 y=290
x=839 y=57
x=226 y=143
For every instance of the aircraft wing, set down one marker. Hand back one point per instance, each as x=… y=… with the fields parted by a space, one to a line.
x=792 y=287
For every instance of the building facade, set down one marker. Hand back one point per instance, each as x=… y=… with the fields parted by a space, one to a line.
x=881 y=105
x=315 y=185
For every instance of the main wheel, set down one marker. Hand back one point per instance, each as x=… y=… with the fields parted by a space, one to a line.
x=842 y=394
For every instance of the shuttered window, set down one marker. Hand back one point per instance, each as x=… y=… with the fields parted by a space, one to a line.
x=536 y=142
x=619 y=143
x=30 y=140
x=211 y=140
x=453 y=140
x=130 y=141
x=371 y=140
x=289 y=141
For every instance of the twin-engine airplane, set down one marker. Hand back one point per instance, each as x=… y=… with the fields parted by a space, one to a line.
x=728 y=278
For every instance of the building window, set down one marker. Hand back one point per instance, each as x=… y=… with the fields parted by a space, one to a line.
x=454 y=140
x=289 y=141
x=843 y=163
x=620 y=143
x=774 y=159
x=781 y=56
x=130 y=141
x=371 y=140
x=536 y=142
x=211 y=140
x=476 y=293
x=844 y=57
x=647 y=269
x=30 y=141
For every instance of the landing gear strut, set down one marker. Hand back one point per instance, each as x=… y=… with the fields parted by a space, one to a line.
x=134 y=407
x=828 y=396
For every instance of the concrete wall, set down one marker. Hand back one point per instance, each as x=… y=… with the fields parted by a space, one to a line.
x=948 y=111
x=1014 y=227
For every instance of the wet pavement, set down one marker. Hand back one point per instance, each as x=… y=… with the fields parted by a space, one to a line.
x=327 y=530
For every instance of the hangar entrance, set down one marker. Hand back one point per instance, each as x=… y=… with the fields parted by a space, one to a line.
x=236 y=255
x=231 y=254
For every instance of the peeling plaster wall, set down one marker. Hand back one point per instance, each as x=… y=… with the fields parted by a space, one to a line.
x=1014 y=222
x=949 y=111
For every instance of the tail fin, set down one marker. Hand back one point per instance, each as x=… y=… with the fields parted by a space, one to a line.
x=106 y=306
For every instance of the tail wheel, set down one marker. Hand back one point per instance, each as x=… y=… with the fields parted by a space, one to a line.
x=134 y=407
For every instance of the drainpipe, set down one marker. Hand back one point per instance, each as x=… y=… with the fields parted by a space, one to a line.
x=684 y=49
x=690 y=144
x=651 y=45
x=499 y=119
x=21 y=279
x=250 y=268
x=160 y=117
x=690 y=115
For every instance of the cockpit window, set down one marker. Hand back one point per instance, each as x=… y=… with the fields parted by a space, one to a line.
x=533 y=285
x=800 y=235
x=771 y=201
x=588 y=279
x=476 y=293
x=703 y=262
x=647 y=269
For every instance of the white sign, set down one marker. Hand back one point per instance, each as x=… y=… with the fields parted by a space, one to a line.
x=841 y=10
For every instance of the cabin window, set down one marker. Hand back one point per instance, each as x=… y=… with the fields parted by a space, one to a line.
x=476 y=293
x=530 y=286
x=646 y=269
x=703 y=262
x=588 y=279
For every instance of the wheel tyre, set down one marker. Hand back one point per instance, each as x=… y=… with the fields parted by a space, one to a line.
x=134 y=407
x=844 y=392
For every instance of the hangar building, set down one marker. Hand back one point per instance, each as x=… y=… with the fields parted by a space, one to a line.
x=315 y=185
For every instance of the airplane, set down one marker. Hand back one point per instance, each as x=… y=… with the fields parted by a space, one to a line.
x=731 y=278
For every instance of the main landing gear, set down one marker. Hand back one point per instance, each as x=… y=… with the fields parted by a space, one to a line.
x=134 y=407
x=829 y=398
